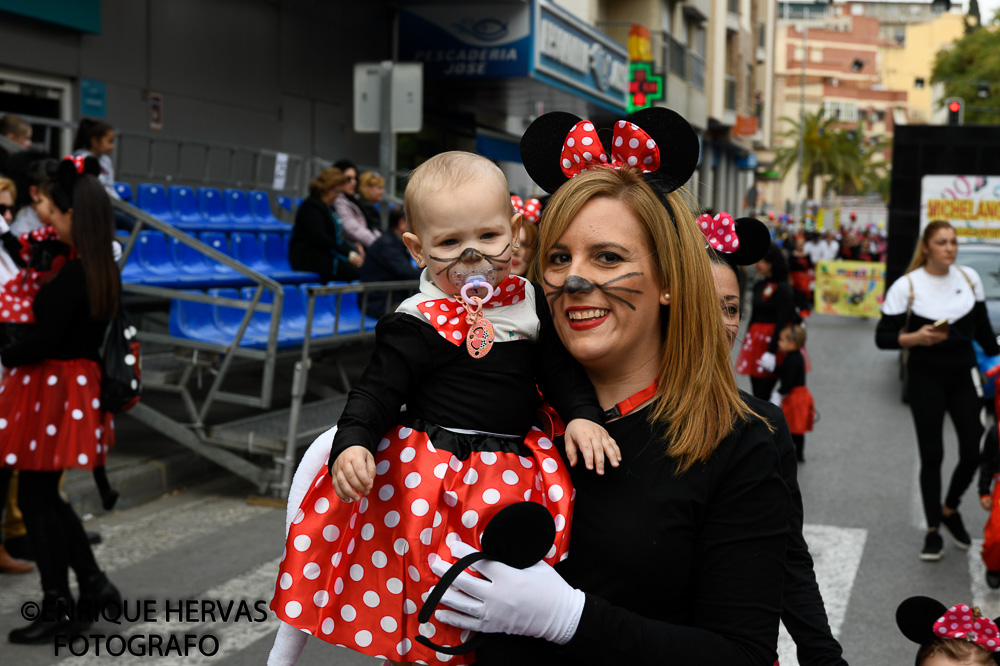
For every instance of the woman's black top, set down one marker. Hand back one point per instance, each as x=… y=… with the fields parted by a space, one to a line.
x=802 y=609
x=677 y=568
x=440 y=383
x=370 y=211
x=63 y=328
x=936 y=297
x=773 y=303
x=317 y=239
x=798 y=264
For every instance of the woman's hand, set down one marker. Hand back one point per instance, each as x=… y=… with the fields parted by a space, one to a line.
x=925 y=336
x=593 y=442
x=356 y=259
x=986 y=501
x=534 y=602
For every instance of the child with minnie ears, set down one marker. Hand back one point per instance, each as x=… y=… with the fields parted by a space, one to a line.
x=401 y=486
x=956 y=636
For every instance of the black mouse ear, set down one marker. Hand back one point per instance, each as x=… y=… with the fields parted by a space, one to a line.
x=916 y=616
x=519 y=535
x=541 y=145
x=92 y=166
x=677 y=141
x=754 y=241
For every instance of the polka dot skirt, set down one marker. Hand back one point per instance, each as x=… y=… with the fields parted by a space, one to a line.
x=755 y=344
x=51 y=417
x=355 y=574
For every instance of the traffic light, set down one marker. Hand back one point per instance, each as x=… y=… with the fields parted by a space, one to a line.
x=956 y=110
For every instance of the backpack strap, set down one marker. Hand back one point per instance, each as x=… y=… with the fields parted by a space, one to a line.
x=966 y=276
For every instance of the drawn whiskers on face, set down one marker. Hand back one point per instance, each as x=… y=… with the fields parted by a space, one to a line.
x=575 y=284
x=470 y=255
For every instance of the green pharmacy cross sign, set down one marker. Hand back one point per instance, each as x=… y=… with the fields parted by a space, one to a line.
x=644 y=87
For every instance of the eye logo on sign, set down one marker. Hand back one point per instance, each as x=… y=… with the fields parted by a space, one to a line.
x=485 y=30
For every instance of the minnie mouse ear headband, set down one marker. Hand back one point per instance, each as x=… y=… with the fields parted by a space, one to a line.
x=68 y=172
x=530 y=210
x=741 y=242
x=658 y=141
x=924 y=620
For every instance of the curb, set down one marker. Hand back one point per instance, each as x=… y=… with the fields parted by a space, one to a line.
x=138 y=483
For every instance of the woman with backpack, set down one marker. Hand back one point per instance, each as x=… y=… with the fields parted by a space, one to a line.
x=50 y=395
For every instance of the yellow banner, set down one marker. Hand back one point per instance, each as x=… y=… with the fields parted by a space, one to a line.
x=849 y=288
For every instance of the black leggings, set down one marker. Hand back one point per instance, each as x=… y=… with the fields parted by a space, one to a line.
x=932 y=391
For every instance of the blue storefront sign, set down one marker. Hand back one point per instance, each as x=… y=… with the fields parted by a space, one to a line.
x=512 y=40
x=747 y=161
x=93 y=99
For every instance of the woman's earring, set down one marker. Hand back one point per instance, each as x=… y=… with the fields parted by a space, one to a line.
x=516 y=246
x=666 y=296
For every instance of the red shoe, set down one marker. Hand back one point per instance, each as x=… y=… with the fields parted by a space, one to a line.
x=9 y=565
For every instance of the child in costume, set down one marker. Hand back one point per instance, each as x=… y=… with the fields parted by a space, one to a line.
x=462 y=360
x=796 y=400
x=989 y=471
x=956 y=636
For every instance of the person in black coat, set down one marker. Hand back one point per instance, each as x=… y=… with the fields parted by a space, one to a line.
x=387 y=260
x=317 y=244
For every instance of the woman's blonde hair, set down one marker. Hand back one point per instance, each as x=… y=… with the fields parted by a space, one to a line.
x=919 y=256
x=7 y=185
x=697 y=399
x=368 y=179
x=327 y=179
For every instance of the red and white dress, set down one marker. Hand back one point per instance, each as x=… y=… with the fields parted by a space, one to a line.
x=356 y=574
x=50 y=407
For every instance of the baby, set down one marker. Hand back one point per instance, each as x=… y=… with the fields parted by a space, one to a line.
x=438 y=434
x=956 y=636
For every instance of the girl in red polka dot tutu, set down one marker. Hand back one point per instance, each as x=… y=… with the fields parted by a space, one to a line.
x=439 y=433
x=956 y=636
x=50 y=408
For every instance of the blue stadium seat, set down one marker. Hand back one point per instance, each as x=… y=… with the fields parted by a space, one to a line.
x=211 y=207
x=260 y=210
x=124 y=191
x=227 y=319
x=298 y=202
x=132 y=271
x=194 y=321
x=275 y=248
x=292 y=322
x=190 y=261
x=284 y=202
x=247 y=250
x=153 y=200
x=322 y=324
x=156 y=262
x=184 y=207
x=350 y=313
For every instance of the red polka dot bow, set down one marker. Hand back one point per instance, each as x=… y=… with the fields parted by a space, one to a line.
x=518 y=203
x=77 y=162
x=530 y=210
x=447 y=315
x=17 y=296
x=719 y=232
x=958 y=622
x=630 y=146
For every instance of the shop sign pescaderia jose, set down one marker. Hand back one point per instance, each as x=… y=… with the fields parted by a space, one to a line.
x=510 y=40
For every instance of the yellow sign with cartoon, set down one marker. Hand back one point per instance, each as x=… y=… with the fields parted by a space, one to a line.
x=850 y=288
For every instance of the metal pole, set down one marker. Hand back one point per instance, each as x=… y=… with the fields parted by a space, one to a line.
x=385 y=152
x=799 y=201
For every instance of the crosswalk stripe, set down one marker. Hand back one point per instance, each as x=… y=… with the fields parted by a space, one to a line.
x=127 y=543
x=988 y=600
x=836 y=553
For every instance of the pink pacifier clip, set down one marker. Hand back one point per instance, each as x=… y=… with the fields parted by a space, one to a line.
x=479 y=339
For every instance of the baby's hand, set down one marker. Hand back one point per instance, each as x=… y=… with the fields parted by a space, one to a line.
x=593 y=442
x=353 y=473
x=986 y=501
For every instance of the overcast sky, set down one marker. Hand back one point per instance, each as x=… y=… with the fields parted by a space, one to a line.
x=987 y=8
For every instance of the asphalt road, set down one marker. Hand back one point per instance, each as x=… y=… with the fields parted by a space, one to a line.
x=863 y=516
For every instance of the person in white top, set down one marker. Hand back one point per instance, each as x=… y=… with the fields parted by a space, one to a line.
x=934 y=312
x=824 y=249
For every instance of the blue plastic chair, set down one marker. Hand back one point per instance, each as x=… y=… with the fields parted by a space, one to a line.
x=184 y=207
x=132 y=271
x=275 y=250
x=284 y=202
x=153 y=200
x=192 y=263
x=227 y=319
x=124 y=191
x=260 y=210
x=247 y=250
x=211 y=207
x=238 y=208
x=322 y=324
x=350 y=313
x=292 y=322
x=194 y=321
x=156 y=262
x=298 y=202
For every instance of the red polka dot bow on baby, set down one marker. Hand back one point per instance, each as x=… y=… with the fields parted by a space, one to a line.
x=959 y=622
x=630 y=146
x=530 y=210
x=719 y=232
x=448 y=315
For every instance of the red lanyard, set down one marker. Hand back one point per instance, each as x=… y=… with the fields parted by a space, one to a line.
x=630 y=403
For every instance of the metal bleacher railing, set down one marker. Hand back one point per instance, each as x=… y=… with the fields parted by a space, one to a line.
x=256 y=317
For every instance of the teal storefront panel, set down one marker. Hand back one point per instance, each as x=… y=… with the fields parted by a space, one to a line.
x=82 y=15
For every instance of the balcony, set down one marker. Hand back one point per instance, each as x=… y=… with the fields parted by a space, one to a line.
x=696 y=70
x=734 y=6
x=676 y=57
x=700 y=10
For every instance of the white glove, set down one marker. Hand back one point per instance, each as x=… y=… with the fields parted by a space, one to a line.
x=4 y=227
x=776 y=398
x=288 y=644
x=766 y=362
x=534 y=602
